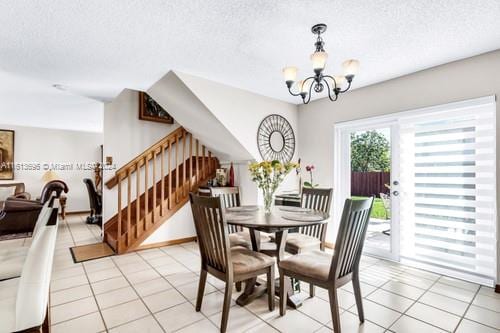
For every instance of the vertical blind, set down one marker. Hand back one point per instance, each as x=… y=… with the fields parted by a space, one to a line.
x=448 y=189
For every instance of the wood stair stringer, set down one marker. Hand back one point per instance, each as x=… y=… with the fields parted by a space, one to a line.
x=132 y=225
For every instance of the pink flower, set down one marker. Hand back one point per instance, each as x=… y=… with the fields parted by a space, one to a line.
x=309 y=168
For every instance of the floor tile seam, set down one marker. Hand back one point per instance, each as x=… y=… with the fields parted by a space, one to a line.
x=90 y=285
x=204 y=294
x=141 y=299
x=466 y=310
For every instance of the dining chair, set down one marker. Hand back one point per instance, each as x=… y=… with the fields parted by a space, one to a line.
x=332 y=272
x=311 y=237
x=229 y=264
x=238 y=236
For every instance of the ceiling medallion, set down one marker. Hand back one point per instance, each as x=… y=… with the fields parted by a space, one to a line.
x=320 y=81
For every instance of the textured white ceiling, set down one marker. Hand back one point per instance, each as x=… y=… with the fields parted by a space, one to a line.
x=34 y=103
x=96 y=48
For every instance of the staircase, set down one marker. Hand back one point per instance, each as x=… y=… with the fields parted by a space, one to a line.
x=174 y=166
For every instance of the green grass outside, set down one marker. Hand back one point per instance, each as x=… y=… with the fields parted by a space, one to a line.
x=378 y=210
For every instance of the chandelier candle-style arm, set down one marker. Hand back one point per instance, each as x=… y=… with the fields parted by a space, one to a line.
x=335 y=90
x=319 y=80
x=337 y=85
x=306 y=93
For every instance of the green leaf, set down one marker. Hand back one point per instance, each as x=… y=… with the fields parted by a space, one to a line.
x=307 y=184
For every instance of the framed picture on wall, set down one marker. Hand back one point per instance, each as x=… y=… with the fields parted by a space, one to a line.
x=6 y=154
x=152 y=111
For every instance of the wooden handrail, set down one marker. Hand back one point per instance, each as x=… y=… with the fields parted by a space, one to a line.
x=158 y=145
x=161 y=187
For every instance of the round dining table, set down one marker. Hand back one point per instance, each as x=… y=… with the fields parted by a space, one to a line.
x=279 y=221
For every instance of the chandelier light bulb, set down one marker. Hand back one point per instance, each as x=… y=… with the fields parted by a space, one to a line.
x=305 y=86
x=290 y=73
x=339 y=81
x=351 y=67
x=302 y=86
x=318 y=59
x=298 y=85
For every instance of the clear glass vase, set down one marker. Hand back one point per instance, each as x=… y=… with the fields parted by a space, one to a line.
x=268 y=201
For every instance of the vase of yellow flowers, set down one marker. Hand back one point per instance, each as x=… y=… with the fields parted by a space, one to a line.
x=268 y=175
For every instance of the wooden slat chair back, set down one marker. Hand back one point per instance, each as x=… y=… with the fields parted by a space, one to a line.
x=216 y=254
x=230 y=197
x=212 y=232
x=318 y=199
x=350 y=238
x=343 y=265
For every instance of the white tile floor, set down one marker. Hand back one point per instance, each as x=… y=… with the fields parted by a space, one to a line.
x=154 y=291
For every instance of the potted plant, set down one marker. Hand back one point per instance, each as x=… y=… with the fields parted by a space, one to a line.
x=268 y=175
x=310 y=184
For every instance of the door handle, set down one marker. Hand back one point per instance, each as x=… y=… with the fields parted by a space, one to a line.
x=395 y=193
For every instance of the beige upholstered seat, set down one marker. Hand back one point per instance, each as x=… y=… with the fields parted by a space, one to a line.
x=310 y=238
x=333 y=271
x=297 y=242
x=246 y=261
x=315 y=264
x=237 y=239
x=242 y=238
x=221 y=259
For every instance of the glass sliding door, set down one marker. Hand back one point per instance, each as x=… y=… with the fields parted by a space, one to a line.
x=433 y=173
x=372 y=162
x=448 y=190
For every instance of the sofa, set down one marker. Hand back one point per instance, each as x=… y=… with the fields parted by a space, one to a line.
x=19 y=216
x=19 y=213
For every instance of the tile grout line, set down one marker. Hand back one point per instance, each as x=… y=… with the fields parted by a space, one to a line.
x=139 y=297
x=405 y=312
x=86 y=276
x=467 y=309
x=415 y=302
x=469 y=304
x=219 y=291
x=173 y=287
x=305 y=314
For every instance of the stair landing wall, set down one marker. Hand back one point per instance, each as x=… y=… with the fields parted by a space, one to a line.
x=125 y=137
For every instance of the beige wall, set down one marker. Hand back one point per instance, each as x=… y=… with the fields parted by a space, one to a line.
x=53 y=148
x=241 y=113
x=225 y=119
x=469 y=78
x=125 y=137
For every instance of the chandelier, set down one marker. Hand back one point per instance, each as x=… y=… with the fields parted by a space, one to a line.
x=333 y=84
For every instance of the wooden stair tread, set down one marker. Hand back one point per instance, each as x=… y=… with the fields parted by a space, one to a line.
x=142 y=226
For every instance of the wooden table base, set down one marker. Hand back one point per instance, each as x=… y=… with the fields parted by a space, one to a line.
x=254 y=288
x=258 y=288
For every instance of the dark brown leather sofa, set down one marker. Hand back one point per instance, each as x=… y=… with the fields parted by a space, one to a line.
x=20 y=214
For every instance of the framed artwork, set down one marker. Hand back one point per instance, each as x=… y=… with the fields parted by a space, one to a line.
x=152 y=111
x=6 y=154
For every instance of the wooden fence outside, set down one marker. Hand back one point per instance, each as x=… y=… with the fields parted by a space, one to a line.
x=369 y=183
